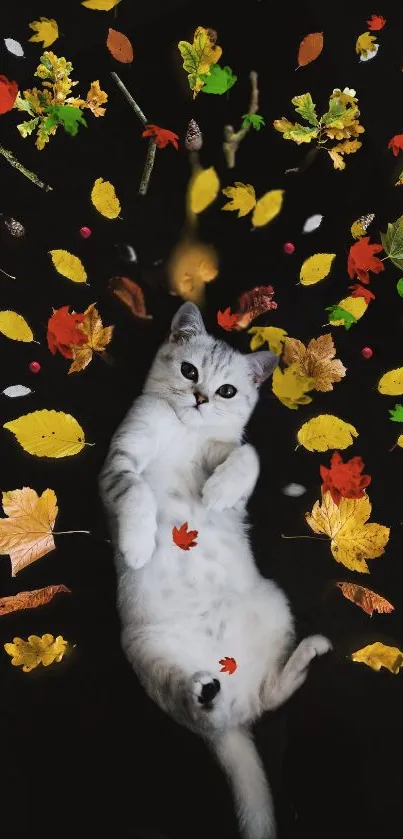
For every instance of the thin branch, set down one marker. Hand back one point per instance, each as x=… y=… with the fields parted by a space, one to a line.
x=28 y=174
x=232 y=139
x=65 y=532
x=8 y=275
x=152 y=148
x=129 y=97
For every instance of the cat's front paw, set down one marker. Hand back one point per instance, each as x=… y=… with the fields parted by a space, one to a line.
x=137 y=549
x=220 y=491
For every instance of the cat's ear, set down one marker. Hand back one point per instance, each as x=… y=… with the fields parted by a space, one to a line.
x=186 y=323
x=262 y=365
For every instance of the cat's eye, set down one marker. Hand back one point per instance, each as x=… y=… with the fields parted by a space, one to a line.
x=189 y=371
x=226 y=391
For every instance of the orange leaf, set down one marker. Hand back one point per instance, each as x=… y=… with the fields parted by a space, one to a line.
x=30 y=599
x=131 y=295
x=26 y=535
x=229 y=665
x=366 y=599
x=162 y=136
x=376 y=22
x=227 y=320
x=119 y=46
x=309 y=49
x=183 y=537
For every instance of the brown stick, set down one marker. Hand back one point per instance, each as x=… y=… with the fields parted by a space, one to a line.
x=152 y=148
x=232 y=139
x=27 y=172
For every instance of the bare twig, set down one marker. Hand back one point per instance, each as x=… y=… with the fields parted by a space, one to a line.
x=129 y=97
x=232 y=139
x=28 y=174
x=8 y=275
x=148 y=166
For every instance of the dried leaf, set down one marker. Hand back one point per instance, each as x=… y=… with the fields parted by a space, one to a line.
x=344 y=480
x=316 y=361
x=14 y=326
x=97 y=337
x=273 y=335
x=242 y=198
x=291 y=386
x=326 y=432
x=253 y=303
x=380 y=655
x=199 y=56
x=268 y=207
x=104 y=199
x=228 y=665
x=310 y=48
x=131 y=295
x=119 y=46
x=29 y=654
x=316 y=268
x=366 y=599
x=391 y=383
x=69 y=266
x=203 y=189
x=26 y=535
x=30 y=599
x=183 y=537
x=48 y=433
x=46 y=30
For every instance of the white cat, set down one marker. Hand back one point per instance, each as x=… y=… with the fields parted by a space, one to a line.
x=179 y=457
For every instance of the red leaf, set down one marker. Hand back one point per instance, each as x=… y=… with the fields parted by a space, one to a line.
x=131 y=295
x=361 y=259
x=63 y=332
x=396 y=144
x=344 y=480
x=8 y=94
x=360 y=291
x=229 y=665
x=227 y=320
x=376 y=22
x=162 y=136
x=183 y=537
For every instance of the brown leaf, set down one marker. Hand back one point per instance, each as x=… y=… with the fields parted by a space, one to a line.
x=131 y=295
x=366 y=599
x=30 y=599
x=98 y=338
x=310 y=47
x=316 y=361
x=120 y=46
x=26 y=535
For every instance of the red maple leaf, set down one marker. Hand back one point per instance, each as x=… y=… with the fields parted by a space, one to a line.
x=162 y=136
x=361 y=259
x=376 y=22
x=8 y=94
x=396 y=144
x=344 y=480
x=360 y=291
x=183 y=537
x=63 y=332
x=229 y=665
x=227 y=320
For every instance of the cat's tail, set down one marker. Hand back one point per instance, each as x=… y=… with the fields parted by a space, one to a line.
x=238 y=756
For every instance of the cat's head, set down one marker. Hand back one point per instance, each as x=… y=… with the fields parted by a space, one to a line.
x=205 y=381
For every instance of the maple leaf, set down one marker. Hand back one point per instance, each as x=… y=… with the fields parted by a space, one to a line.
x=97 y=336
x=30 y=599
x=396 y=413
x=255 y=120
x=63 y=332
x=228 y=665
x=366 y=599
x=344 y=480
x=242 y=197
x=365 y=45
x=26 y=535
x=376 y=22
x=46 y=30
x=360 y=291
x=162 y=136
x=8 y=94
x=396 y=144
x=291 y=386
x=184 y=538
x=227 y=320
x=316 y=361
x=36 y=650
x=362 y=259
x=274 y=336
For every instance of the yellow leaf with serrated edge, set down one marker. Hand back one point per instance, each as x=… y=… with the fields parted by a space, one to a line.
x=26 y=535
x=98 y=338
x=316 y=268
x=290 y=386
x=365 y=43
x=48 y=433
x=69 y=265
x=273 y=335
x=352 y=540
x=268 y=207
x=326 y=432
x=28 y=654
x=379 y=655
x=391 y=383
x=356 y=306
x=104 y=198
x=316 y=361
x=203 y=189
x=199 y=56
x=14 y=326
x=45 y=30
x=100 y=5
x=242 y=197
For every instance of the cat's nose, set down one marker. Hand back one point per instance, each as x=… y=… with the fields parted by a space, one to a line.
x=200 y=397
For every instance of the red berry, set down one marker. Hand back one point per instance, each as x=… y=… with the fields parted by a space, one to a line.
x=85 y=232
x=288 y=247
x=367 y=352
x=34 y=367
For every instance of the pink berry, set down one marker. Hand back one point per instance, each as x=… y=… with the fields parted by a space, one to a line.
x=34 y=367
x=288 y=247
x=85 y=232
x=367 y=352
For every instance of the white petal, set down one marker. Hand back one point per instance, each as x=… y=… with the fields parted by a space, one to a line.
x=14 y=47
x=126 y=252
x=370 y=54
x=16 y=390
x=312 y=223
x=293 y=490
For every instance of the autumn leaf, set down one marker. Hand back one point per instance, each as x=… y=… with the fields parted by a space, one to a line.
x=48 y=433
x=119 y=46
x=228 y=665
x=219 y=80
x=366 y=599
x=242 y=197
x=131 y=295
x=69 y=116
x=360 y=291
x=253 y=303
x=30 y=599
x=95 y=98
x=203 y=189
x=312 y=223
x=344 y=480
x=29 y=654
x=391 y=383
x=326 y=432
x=273 y=335
x=183 y=537
x=199 y=56
x=316 y=361
x=8 y=94
x=190 y=267
x=100 y=5
x=352 y=540
x=340 y=317
x=396 y=144
x=376 y=22
x=362 y=259
x=255 y=120
x=104 y=198
x=16 y=391
x=291 y=386
x=46 y=30
x=15 y=327
x=162 y=136
x=14 y=47
x=227 y=320
x=337 y=159
x=396 y=413
x=360 y=226
x=392 y=242
x=365 y=45
x=26 y=535
x=63 y=332
x=316 y=268
x=68 y=265
x=267 y=207
x=97 y=335
x=380 y=655
x=310 y=48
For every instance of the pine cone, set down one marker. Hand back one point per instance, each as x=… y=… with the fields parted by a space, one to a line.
x=194 y=137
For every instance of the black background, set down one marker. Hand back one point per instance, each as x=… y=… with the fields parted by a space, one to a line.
x=84 y=753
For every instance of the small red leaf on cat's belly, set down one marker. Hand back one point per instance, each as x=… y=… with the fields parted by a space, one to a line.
x=183 y=537
x=229 y=665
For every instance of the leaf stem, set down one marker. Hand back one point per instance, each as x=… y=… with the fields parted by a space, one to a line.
x=8 y=275
x=65 y=532
x=320 y=538
x=28 y=174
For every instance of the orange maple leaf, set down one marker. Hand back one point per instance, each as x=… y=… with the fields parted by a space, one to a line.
x=359 y=291
x=184 y=538
x=366 y=599
x=162 y=136
x=227 y=319
x=229 y=665
x=376 y=22
x=396 y=144
x=362 y=259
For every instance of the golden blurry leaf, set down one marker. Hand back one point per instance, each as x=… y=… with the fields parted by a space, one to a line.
x=29 y=654
x=316 y=361
x=98 y=338
x=316 y=268
x=199 y=56
x=203 y=189
x=27 y=532
x=14 y=326
x=273 y=335
x=290 y=386
x=268 y=207
x=365 y=44
x=356 y=306
x=242 y=198
x=391 y=383
x=48 y=433
x=191 y=266
x=69 y=266
x=45 y=30
x=119 y=46
x=352 y=540
x=380 y=655
x=326 y=432
x=104 y=198
x=30 y=599
x=366 y=599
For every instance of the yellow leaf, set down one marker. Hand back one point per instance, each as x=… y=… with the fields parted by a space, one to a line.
x=242 y=198
x=36 y=650
x=338 y=160
x=348 y=146
x=274 y=336
x=283 y=125
x=380 y=655
x=199 y=56
x=326 y=432
x=316 y=361
x=95 y=98
x=191 y=265
x=14 y=326
x=399 y=441
x=48 y=433
x=352 y=540
x=316 y=268
x=290 y=386
x=356 y=306
x=100 y=5
x=104 y=198
x=357 y=229
x=27 y=532
x=268 y=207
x=391 y=383
x=69 y=266
x=365 y=43
x=203 y=189
x=45 y=30
x=98 y=338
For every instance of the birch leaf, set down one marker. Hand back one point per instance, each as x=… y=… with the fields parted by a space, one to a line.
x=391 y=383
x=48 y=433
x=26 y=535
x=30 y=599
x=380 y=655
x=268 y=207
x=203 y=189
x=14 y=391
x=104 y=199
x=312 y=223
x=100 y=5
x=69 y=265
x=14 y=47
x=119 y=46
x=29 y=654
x=316 y=268
x=14 y=326
x=326 y=432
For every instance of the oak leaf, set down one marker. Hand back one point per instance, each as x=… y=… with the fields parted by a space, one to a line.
x=183 y=537
x=316 y=361
x=162 y=136
x=362 y=259
x=344 y=480
x=26 y=535
x=380 y=655
x=326 y=432
x=63 y=331
x=131 y=295
x=199 y=56
x=366 y=599
x=29 y=654
x=46 y=30
x=48 y=433
x=228 y=665
x=242 y=197
x=119 y=46
x=30 y=599
x=291 y=386
x=310 y=48
x=97 y=336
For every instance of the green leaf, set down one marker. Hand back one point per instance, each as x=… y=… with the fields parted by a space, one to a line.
x=22 y=105
x=219 y=80
x=333 y=115
x=396 y=414
x=337 y=313
x=255 y=120
x=392 y=242
x=399 y=287
x=306 y=108
x=66 y=115
x=26 y=128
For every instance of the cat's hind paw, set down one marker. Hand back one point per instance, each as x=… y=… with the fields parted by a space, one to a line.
x=138 y=549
